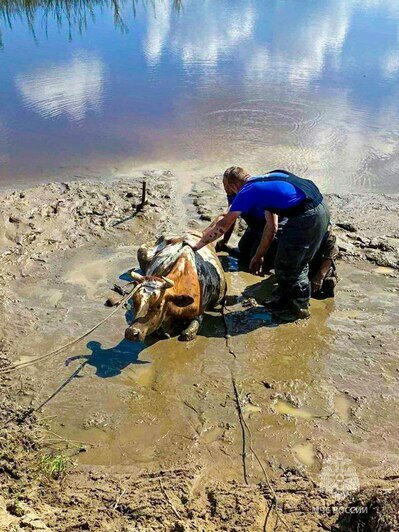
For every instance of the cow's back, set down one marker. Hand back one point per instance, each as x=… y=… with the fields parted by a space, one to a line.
x=161 y=258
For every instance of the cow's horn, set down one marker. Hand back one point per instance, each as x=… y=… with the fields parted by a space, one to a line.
x=136 y=277
x=168 y=283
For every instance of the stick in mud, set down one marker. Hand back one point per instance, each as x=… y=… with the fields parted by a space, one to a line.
x=138 y=208
x=244 y=440
x=141 y=205
x=175 y=511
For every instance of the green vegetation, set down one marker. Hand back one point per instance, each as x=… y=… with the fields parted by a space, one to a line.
x=55 y=465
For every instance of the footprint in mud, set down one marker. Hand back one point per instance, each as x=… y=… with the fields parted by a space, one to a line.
x=248 y=320
x=212 y=434
x=343 y=405
x=385 y=270
x=250 y=409
x=304 y=452
x=287 y=409
x=111 y=362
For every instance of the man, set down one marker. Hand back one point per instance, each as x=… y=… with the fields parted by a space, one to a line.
x=249 y=241
x=322 y=270
x=279 y=193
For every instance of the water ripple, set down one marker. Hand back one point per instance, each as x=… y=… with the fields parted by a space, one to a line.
x=70 y=89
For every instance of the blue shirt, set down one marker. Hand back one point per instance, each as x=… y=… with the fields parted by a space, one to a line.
x=267 y=195
x=254 y=215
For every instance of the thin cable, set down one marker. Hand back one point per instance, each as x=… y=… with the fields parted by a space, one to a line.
x=23 y=365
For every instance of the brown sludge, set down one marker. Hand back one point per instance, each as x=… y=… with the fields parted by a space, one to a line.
x=159 y=425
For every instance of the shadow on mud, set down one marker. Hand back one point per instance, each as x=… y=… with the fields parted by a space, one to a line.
x=108 y=362
x=242 y=321
x=111 y=362
x=239 y=322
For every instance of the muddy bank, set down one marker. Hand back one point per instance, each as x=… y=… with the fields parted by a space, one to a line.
x=148 y=437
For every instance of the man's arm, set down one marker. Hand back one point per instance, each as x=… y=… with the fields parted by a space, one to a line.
x=216 y=230
x=269 y=232
x=222 y=244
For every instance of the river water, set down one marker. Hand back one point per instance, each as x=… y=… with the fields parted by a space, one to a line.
x=101 y=88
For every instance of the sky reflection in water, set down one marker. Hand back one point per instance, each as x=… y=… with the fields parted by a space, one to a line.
x=198 y=85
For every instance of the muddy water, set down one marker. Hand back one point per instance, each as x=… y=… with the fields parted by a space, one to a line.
x=308 y=389
x=101 y=88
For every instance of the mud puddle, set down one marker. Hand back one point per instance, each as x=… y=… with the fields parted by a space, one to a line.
x=308 y=389
x=311 y=392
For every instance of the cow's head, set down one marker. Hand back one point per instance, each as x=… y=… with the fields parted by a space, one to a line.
x=150 y=303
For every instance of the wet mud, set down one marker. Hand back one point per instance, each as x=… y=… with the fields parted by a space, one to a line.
x=156 y=426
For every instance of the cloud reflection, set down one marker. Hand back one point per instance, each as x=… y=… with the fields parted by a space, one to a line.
x=157 y=33
x=281 y=106
x=70 y=89
x=207 y=43
x=209 y=31
x=298 y=55
x=390 y=64
x=306 y=85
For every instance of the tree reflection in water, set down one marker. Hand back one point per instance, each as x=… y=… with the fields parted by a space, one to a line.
x=75 y=15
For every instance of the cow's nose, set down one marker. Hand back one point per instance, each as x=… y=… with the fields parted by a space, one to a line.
x=132 y=334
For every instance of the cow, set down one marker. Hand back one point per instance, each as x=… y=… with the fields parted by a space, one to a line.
x=178 y=285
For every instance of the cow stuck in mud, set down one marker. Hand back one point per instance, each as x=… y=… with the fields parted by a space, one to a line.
x=178 y=285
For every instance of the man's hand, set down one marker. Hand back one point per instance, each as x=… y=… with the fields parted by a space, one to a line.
x=268 y=235
x=317 y=283
x=256 y=265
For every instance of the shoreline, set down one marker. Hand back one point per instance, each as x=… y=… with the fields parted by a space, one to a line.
x=62 y=246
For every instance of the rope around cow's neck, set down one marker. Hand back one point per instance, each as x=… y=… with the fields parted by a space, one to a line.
x=23 y=365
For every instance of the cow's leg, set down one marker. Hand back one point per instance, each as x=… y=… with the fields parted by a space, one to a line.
x=191 y=331
x=161 y=334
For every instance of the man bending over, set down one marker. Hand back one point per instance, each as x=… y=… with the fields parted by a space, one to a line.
x=279 y=193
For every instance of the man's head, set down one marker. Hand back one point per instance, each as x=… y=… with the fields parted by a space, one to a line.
x=234 y=178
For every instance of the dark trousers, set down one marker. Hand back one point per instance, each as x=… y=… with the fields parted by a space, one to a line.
x=299 y=241
x=249 y=243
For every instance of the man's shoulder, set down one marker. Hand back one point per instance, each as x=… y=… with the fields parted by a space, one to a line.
x=258 y=178
x=257 y=183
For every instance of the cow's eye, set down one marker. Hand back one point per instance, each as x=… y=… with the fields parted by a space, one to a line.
x=158 y=306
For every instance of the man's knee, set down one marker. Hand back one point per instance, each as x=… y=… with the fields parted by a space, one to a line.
x=285 y=270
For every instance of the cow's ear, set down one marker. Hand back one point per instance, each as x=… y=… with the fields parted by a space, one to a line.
x=181 y=301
